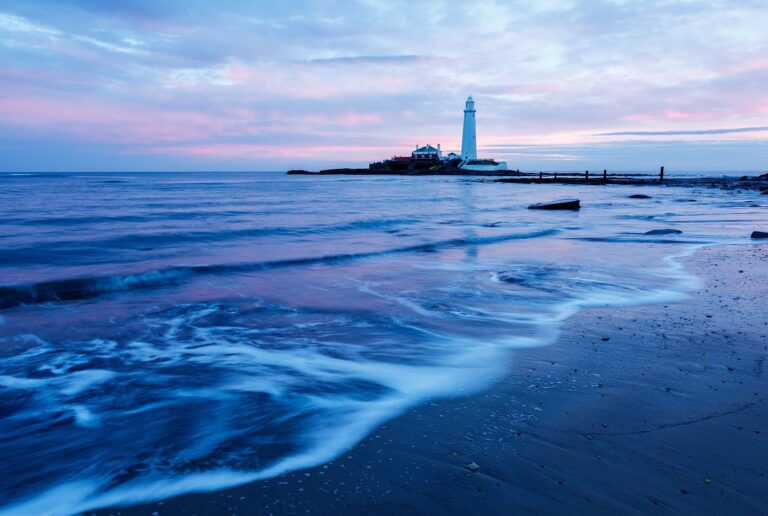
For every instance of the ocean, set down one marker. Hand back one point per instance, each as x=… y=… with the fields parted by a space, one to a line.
x=167 y=333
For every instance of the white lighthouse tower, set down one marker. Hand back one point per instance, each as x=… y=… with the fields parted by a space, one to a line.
x=469 y=136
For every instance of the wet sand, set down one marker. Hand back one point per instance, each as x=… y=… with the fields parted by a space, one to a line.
x=634 y=410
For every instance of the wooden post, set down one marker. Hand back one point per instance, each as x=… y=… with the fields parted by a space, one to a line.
x=541 y=175
x=661 y=175
x=605 y=174
x=555 y=176
x=586 y=176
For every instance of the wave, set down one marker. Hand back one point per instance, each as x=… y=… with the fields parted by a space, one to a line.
x=640 y=239
x=75 y=289
x=42 y=252
x=206 y=396
x=51 y=175
x=138 y=218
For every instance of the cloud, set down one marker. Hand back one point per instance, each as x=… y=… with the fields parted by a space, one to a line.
x=637 y=155
x=383 y=59
x=332 y=74
x=682 y=133
x=124 y=49
x=194 y=77
x=11 y=23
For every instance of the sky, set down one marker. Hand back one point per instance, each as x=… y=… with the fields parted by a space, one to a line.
x=152 y=85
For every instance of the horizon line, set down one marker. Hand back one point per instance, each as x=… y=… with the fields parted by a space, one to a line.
x=683 y=133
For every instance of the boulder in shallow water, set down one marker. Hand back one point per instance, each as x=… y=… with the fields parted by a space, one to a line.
x=559 y=204
x=663 y=232
x=639 y=196
x=760 y=234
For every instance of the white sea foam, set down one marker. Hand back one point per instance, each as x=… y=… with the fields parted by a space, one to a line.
x=453 y=364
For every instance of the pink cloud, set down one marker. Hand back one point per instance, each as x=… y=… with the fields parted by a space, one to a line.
x=678 y=115
x=753 y=65
x=638 y=117
x=669 y=115
x=240 y=150
x=102 y=121
x=358 y=119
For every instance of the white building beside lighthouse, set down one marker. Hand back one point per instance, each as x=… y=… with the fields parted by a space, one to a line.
x=469 y=135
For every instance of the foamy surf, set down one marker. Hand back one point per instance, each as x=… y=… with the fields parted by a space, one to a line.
x=247 y=391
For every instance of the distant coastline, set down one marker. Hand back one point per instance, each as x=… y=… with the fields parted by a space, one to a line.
x=442 y=171
x=745 y=182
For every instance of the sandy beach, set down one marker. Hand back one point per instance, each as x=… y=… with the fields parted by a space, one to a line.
x=634 y=410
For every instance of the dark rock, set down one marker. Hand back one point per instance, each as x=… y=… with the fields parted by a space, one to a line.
x=299 y=172
x=765 y=192
x=744 y=178
x=762 y=177
x=639 y=196
x=759 y=234
x=663 y=232
x=560 y=204
x=346 y=171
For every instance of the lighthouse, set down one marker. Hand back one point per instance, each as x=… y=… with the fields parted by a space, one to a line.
x=469 y=136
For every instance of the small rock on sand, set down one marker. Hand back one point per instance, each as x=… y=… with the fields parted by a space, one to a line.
x=663 y=232
x=639 y=196
x=560 y=204
x=760 y=234
x=472 y=466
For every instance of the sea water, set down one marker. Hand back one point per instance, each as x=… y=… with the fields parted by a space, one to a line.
x=170 y=333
